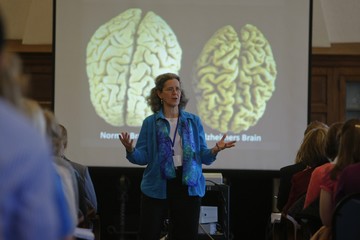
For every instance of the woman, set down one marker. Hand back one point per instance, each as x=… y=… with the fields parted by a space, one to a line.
x=312 y=151
x=172 y=145
x=331 y=150
x=287 y=172
x=349 y=153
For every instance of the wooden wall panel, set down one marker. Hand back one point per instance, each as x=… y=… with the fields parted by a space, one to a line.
x=326 y=98
x=39 y=67
x=345 y=75
x=318 y=95
x=319 y=89
x=320 y=102
x=333 y=69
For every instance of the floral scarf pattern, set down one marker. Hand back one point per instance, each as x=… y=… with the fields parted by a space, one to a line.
x=190 y=174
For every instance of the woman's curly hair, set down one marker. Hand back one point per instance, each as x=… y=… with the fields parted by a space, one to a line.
x=153 y=99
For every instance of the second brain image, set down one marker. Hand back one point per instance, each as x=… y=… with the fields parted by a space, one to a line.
x=234 y=78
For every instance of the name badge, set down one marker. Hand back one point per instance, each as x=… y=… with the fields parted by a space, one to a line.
x=177 y=160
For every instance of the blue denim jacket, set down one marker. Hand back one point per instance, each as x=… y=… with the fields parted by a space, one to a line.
x=146 y=153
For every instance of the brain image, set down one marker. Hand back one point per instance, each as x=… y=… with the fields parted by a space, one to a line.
x=234 y=78
x=123 y=57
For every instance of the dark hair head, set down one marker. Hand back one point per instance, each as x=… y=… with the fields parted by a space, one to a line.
x=349 y=148
x=333 y=140
x=153 y=99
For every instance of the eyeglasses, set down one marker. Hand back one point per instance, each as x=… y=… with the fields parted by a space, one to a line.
x=172 y=89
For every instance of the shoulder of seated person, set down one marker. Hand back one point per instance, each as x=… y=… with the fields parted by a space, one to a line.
x=293 y=166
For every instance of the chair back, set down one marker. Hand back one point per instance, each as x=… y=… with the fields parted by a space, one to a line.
x=346 y=218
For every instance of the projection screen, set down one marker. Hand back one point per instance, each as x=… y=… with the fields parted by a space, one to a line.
x=243 y=64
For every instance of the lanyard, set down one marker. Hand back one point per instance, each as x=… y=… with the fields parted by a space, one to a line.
x=173 y=141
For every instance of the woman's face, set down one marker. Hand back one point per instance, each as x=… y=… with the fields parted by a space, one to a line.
x=171 y=93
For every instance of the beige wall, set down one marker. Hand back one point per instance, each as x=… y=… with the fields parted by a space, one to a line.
x=334 y=21
x=28 y=20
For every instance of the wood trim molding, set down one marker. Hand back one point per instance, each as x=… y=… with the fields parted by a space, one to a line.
x=334 y=49
x=338 y=49
x=17 y=46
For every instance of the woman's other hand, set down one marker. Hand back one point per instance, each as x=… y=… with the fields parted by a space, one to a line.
x=126 y=141
x=221 y=145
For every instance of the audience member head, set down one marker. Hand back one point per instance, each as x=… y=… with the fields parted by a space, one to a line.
x=64 y=137
x=34 y=111
x=311 y=126
x=333 y=140
x=312 y=149
x=349 y=148
x=315 y=124
x=53 y=132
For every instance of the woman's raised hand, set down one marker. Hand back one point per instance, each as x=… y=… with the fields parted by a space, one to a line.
x=221 y=145
x=126 y=141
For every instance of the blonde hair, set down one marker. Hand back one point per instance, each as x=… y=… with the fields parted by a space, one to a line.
x=315 y=124
x=312 y=150
x=310 y=127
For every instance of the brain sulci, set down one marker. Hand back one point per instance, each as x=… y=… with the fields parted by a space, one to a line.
x=123 y=57
x=234 y=77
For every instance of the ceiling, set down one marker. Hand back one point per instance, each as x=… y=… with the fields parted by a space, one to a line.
x=334 y=21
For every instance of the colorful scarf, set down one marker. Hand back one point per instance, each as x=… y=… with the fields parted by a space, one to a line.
x=190 y=174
